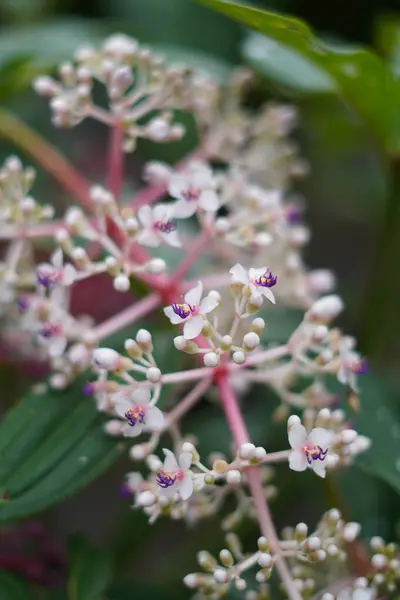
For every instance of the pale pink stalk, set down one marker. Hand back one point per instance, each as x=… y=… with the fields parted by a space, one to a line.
x=274 y=457
x=127 y=317
x=264 y=356
x=189 y=375
x=209 y=281
x=191 y=257
x=239 y=432
x=151 y=193
x=189 y=401
x=31 y=231
x=116 y=159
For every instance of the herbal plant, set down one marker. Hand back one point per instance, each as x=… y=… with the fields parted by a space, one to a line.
x=228 y=211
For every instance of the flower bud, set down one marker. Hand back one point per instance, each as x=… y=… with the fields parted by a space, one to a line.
x=153 y=374
x=106 y=358
x=121 y=283
x=321 y=281
x=132 y=349
x=260 y=453
x=250 y=341
x=158 y=130
x=156 y=266
x=351 y=531
x=300 y=532
x=206 y=560
x=258 y=325
x=226 y=342
x=146 y=498
x=247 y=450
x=239 y=357
x=114 y=427
x=191 y=581
x=326 y=308
x=157 y=173
x=379 y=561
x=264 y=560
x=348 y=436
x=144 y=340
x=211 y=359
x=226 y=558
x=233 y=477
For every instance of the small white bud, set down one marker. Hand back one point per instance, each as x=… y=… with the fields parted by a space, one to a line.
x=326 y=308
x=114 y=427
x=106 y=358
x=327 y=596
x=379 y=561
x=333 y=515
x=188 y=447
x=260 y=577
x=58 y=381
x=251 y=340
x=240 y=584
x=78 y=354
x=361 y=583
x=211 y=359
x=348 y=436
x=61 y=236
x=332 y=550
x=320 y=333
x=158 y=130
x=154 y=463
x=258 y=325
x=153 y=374
x=326 y=355
x=313 y=543
x=324 y=414
x=146 y=498
x=121 y=283
x=338 y=415
x=222 y=225
x=157 y=173
x=144 y=339
x=321 y=281
x=156 y=266
x=220 y=576
x=180 y=342
x=191 y=580
x=260 y=453
x=233 y=477
x=321 y=555
x=45 y=86
x=137 y=452
x=79 y=254
x=264 y=560
x=247 y=450
x=239 y=357
x=332 y=460
x=377 y=543
x=351 y=531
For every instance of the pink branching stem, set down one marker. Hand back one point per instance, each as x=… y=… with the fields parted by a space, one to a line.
x=263 y=356
x=274 y=457
x=127 y=316
x=239 y=432
x=190 y=375
x=189 y=401
x=116 y=158
x=191 y=257
x=152 y=193
x=31 y=231
x=209 y=281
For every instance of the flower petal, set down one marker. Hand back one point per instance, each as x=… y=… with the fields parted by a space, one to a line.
x=267 y=293
x=297 y=461
x=172 y=316
x=177 y=185
x=297 y=436
x=147 y=237
x=192 y=327
x=185 y=460
x=172 y=239
x=145 y=216
x=154 y=418
x=69 y=274
x=121 y=404
x=132 y=430
x=318 y=468
x=254 y=273
x=184 y=209
x=321 y=437
x=186 y=487
x=239 y=274
x=56 y=258
x=141 y=395
x=208 y=304
x=170 y=462
x=193 y=296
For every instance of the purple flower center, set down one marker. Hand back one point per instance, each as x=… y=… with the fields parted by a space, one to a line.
x=135 y=415
x=22 y=304
x=165 y=226
x=314 y=453
x=88 y=388
x=293 y=214
x=48 y=277
x=359 y=367
x=50 y=330
x=266 y=279
x=165 y=480
x=191 y=194
x=184 y=310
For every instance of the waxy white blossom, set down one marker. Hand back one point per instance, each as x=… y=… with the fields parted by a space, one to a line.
x=258 y=281
x=135 y=408
x=175 y=476
x=194 y=190
x=351 y=364
x=308 y=450
x=158 y=225
x=191 y=312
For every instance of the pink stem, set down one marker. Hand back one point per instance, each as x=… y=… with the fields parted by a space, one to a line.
x=237 y=426
x=152 y=193
x=189 y=401
x=191 y=256
x=189 y=375
x=127 y=316
x=209 y=282
x=115 y=171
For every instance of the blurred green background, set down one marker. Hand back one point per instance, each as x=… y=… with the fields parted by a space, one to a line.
x=347 y=192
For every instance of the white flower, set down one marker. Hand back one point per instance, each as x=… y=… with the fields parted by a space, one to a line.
x=308 y=450
x=175 y=476
x=258 y=281
x=54 y=272
x=52 y=335
x=351 y=364
x=195 y=189
x=191 y=311
x=158 y=225
x=136 y=409
x=357 y=594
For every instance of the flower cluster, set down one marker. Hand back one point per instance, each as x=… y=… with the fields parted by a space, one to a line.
x=245 y=223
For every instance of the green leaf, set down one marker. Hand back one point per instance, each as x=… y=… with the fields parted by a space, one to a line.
x=379 y=419
x=284 y=66
x=53 y=444
x=363 y=81
x=387 y=34
x=90 y=570
x=12 y=588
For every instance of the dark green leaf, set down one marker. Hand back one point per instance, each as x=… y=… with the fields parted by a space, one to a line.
x=12 y=588
x=388 y=39
x=90 y=570
x=363 y=81
x=139 y=589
